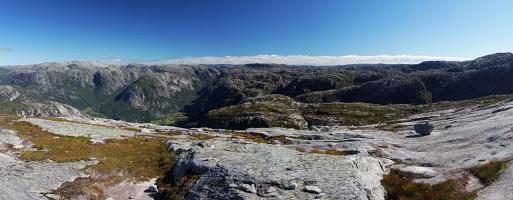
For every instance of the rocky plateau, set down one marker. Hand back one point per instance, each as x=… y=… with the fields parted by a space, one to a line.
x=83 y=130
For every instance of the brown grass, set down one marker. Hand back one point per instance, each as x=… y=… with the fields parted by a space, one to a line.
x=260 y=138
x=178 y=190
x=82 y=186
x=334 y=152
x=399 y=186
x=132 y=129
x=202 y=136
x=489 y=172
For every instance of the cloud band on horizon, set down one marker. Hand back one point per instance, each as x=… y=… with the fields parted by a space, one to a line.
x=308 y=60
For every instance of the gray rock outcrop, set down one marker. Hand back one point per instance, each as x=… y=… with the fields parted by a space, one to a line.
x=260 y=171
x=8 y=93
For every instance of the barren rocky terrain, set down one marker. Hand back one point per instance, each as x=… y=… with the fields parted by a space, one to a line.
x=330 y=162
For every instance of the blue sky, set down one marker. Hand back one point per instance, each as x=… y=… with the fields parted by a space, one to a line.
x=34 y=31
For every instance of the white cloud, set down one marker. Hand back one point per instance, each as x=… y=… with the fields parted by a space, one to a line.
x=3 y=50
x=309 y=60
x=118 y=60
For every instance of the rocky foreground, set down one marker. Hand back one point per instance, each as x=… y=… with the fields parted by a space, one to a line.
x=456 y=161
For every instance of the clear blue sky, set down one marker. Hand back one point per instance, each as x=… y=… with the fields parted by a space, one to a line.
x=33 y=31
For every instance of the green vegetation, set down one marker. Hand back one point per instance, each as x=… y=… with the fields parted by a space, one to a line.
x=9 y=107
x=277 y=114
x=171 y=120
x=154 y=104
x=482 y=102
x=489 y=172
x=400 y=186
x=89 y=111
x=265 y=114
x=392 y=128
x=355 y=113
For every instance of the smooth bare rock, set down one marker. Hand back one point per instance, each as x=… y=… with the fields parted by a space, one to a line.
x=133 y=190
x=501 y=188
x=51 y=109
x=341 y=177
x=97 y=133
x=313 y=189
x=247 y=188
x=271 y=190
x=29 y=180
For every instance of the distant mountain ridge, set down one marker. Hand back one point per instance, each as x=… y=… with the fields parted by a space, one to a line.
x=148 y=92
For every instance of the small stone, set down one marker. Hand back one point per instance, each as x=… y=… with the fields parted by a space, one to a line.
x=145 y=130
x=320 y=195
x=233 y=185
x=248 y=188
x=313 y=189
x=270 y=190
x=201 y=144
x=291 y=186
x=151 y=189
x=53 y=196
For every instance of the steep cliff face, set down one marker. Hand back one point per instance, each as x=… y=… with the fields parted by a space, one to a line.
x=393 y=90
x=159 y=93
x=133 y=92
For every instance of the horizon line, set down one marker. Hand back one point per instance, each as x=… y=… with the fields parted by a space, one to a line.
x=272 y=59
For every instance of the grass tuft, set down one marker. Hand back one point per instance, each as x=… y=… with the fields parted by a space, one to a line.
x=261 y=138
x=400 y=186
x=489 y=172
x=334 y=152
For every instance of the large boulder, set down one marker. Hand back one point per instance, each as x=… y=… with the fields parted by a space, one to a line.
x=424 y=128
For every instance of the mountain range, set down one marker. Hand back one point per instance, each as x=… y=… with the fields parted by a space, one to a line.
x=231 y=96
